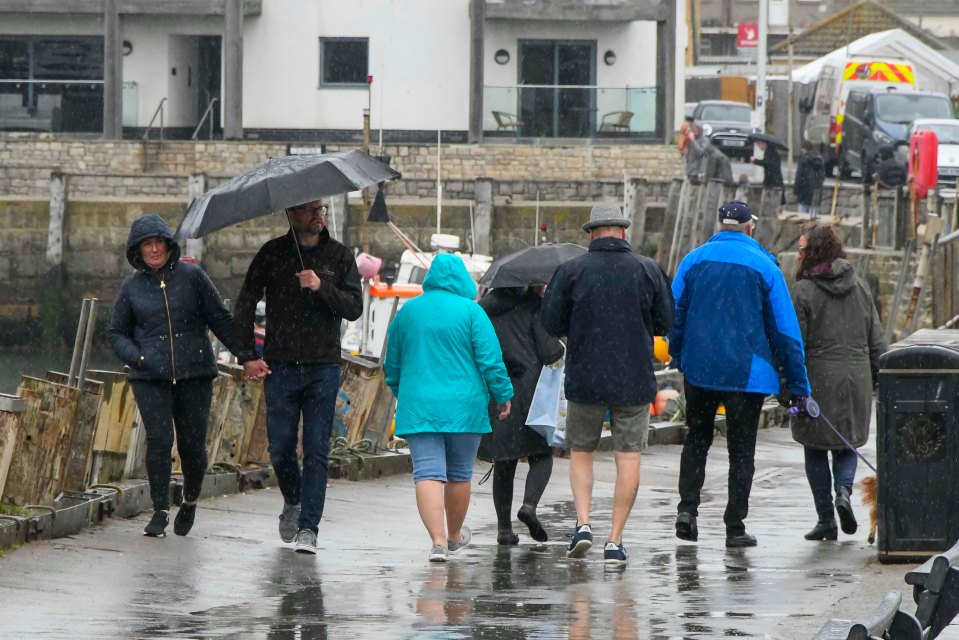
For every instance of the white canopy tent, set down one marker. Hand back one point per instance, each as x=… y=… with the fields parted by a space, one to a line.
x=934 y=71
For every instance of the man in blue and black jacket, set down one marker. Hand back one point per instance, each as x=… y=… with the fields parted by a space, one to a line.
x=735 y=332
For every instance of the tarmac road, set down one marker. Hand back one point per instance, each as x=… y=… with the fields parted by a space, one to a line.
x=233 y=578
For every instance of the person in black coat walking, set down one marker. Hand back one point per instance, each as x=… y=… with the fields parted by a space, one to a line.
x=159 y=330
x=771 y=164
x=810 y=176
x=527 y=347
x=609 y=303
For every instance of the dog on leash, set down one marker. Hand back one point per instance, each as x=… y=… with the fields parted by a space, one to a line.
x=868 y=487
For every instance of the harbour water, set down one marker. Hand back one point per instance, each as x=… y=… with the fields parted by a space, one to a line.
x=36 y=362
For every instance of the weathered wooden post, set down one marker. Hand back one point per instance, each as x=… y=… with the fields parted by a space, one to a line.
x=11 y=413
x=196 y=186
x=483 y=216
x=54 y=298
x=635 y=198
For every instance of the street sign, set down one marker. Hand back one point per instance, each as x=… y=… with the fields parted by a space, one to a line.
x=747 y=35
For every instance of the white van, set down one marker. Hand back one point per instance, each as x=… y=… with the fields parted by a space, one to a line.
x=823 y=127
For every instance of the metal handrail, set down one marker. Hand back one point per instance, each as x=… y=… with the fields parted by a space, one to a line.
x=158 y=112
x=206 y=114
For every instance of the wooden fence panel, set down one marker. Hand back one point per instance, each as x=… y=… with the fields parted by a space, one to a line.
x=11 y=413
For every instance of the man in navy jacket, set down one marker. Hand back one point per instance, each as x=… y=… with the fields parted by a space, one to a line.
x=609 y=303
x=735 y=331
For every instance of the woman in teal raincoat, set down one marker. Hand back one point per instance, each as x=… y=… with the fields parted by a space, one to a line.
x=443 y=362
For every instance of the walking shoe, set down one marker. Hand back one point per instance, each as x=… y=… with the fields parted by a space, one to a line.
x=847 y=520
x=157 y=526
x=507 y=538
x=305 y=541
x=580 y=542
x=527 y=515
x=740 y=540
x=438 y=553
x=615 y=553
x=824 y=530
x=686 y=528
x=184 y=519
x=455 y=546
x=289 y=522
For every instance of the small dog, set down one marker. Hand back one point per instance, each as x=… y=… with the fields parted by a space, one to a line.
x=868 y=487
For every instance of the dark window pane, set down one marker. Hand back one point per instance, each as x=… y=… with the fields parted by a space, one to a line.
x=68 y=58
x=14 y=60
x=345 y=60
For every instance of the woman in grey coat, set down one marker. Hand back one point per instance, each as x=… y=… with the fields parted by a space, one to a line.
x=843 y=341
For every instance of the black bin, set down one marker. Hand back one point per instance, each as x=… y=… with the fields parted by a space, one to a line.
x=918 y=448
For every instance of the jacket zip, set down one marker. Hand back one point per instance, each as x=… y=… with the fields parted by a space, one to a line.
x=169 y=319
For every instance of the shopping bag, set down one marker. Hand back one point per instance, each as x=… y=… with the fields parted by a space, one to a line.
x=547 y=411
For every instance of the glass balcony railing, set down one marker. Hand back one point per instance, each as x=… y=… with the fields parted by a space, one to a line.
x=51 y=105
x=562 y=111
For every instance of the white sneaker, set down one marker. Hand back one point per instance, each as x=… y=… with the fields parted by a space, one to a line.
x=305 y=541
x=438 y=554
x=462 y=544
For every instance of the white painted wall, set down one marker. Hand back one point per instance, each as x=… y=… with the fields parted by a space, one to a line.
x=418 y=56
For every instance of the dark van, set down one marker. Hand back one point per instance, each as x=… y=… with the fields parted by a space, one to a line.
x=874 y=118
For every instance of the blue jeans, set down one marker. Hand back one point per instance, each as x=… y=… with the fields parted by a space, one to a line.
x=447 y=457
x=308 y=389
x=821 y=481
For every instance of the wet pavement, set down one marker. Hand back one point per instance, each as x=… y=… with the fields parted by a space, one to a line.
x=233 y=578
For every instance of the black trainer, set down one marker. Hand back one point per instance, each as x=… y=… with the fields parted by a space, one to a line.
x=740 y=540
x=686 y=528
x=527 y=516
x=157 y=526
x=184 y=519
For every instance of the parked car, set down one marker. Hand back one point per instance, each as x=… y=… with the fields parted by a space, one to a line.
x=947 y=132
x=726 y=125
x=873 y=118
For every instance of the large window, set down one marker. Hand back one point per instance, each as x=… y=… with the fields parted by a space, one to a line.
x=51 y=83
x=344 y=61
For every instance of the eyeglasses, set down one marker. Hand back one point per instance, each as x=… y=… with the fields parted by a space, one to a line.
x=802 y=250
x=320 y=211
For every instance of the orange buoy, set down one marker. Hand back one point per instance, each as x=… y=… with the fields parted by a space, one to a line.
x=661 y=348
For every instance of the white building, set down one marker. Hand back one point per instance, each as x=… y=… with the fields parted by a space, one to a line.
x=299 y=68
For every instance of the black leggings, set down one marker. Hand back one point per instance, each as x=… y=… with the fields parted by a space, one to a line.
x=184 y=407
x=540 y=469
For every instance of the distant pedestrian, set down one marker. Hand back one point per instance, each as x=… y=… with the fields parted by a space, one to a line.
x=443 y=362
x=310 y=283
x=810 y=176
x=771 y=164
x=843 y=340
x=890 y=173
x=515 y=314
x=717 y=166
x=609 y=303
x=695 y=159
x=159 y=330
x=683 y=138
x=735 y=331
x=742 y=187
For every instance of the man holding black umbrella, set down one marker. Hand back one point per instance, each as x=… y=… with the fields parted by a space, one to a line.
x=310 y=282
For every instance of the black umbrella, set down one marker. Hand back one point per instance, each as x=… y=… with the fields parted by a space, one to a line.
x=769 y=139
x=280 y=183
x=532 y=265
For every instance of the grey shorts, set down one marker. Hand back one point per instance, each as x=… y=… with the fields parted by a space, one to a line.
x=629 y=425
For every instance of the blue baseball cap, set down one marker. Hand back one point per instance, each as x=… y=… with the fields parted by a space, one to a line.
x=736 y=212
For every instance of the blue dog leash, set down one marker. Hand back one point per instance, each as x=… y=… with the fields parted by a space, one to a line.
x=812 y=408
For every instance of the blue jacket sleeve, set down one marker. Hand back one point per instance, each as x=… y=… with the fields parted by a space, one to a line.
x=785 y=338
x=556 y=304
x=392 y=364
x=675 y=336
x=489 y=357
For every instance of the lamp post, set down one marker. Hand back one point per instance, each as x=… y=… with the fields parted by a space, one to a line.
x=760 y=117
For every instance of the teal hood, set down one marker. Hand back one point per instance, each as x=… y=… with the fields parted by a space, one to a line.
x=449 y=274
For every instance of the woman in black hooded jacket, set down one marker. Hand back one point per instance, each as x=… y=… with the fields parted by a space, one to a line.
x=514 y=312
x=159 y=330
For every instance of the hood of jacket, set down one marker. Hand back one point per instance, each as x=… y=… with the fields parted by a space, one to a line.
x=499 y=301
x=839 y=281
x=449 y=274
x=149 y=226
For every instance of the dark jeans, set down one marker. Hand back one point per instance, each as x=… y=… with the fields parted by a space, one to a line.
x=742 y=423
x=183 y=407
x=291 y=390
x=821 y=481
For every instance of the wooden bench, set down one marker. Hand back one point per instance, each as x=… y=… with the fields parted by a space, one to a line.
x=935 y=588
x=885 y=621
x=507 y=122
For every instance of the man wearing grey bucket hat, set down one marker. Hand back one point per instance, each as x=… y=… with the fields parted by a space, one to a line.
x=609 y=304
